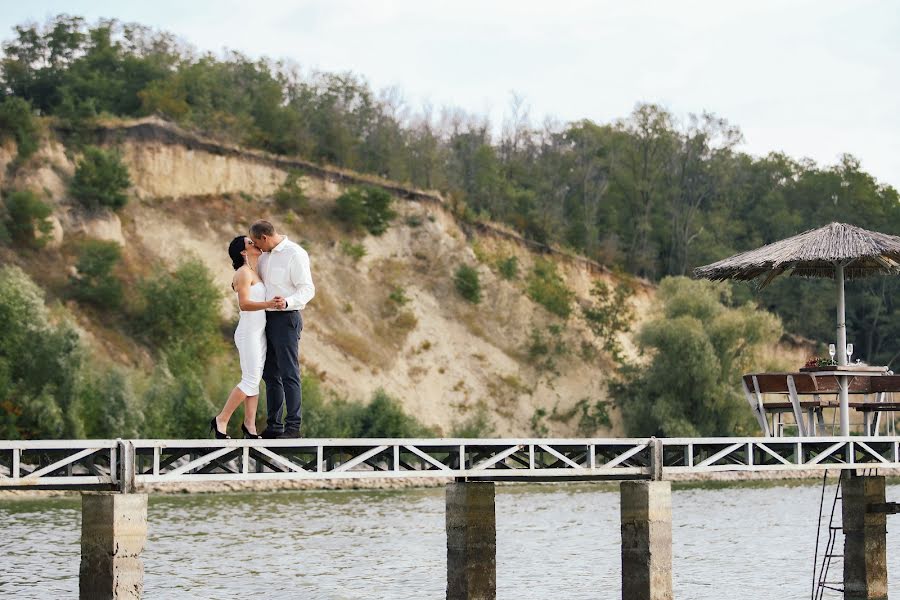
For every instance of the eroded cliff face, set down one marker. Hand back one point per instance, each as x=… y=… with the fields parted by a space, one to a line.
x=390 y=319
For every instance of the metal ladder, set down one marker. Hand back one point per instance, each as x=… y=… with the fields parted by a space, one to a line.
x=829 y=556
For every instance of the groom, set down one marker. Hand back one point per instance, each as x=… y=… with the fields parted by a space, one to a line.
x=284 y=268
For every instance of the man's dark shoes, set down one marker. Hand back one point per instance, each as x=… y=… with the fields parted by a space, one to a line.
x=289 y=434
x=268 y=434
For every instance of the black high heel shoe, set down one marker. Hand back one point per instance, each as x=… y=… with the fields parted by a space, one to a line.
x=248 y=435
x=213 y=428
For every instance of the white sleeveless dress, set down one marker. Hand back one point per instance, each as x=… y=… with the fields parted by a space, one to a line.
x=250 y=339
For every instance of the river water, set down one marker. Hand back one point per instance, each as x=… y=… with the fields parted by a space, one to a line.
x=553 y=541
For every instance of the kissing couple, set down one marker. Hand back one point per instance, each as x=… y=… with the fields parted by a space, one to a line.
x=273 y=283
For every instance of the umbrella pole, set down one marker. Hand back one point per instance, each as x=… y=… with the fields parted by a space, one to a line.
x=842 y=349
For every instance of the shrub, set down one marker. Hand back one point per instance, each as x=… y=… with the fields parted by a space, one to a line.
x=547 y=288
x=95 y=282
x=592 y=416
x=384 y=417
x=16 y=117
x=26 y=218
x=340 y=418
x=609 y=315
x=476 y=425
x=100 y=180
x=366 y=208
x=467 y=283
x=354 y=251
x=508 y=267
x=290 y=195
x=39 y=364
x=182 y=309
x=398 y=296
x=110 y=407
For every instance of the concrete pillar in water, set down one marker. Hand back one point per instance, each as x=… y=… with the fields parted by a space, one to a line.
x=865 y=538
x=471 y=541
x=646 y=519
x=113 y=532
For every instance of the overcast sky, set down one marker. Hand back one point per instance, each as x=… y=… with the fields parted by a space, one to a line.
x=810 y=78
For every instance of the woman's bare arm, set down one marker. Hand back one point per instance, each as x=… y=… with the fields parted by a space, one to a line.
x=242 y=283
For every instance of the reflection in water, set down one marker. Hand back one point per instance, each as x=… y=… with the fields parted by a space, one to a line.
x=553 y=541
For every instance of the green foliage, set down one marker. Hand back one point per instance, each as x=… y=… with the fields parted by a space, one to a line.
x=508 y=268
x=649 y=194
x=180 y=313
x=16 y=118
x=592 y=416
x=39 y=364
x=354 y=251
x=609 y=315
x=467 y=283
x=538 y=425
x=26 y=218
x=95 y=282
x=366 y=208
x=398 y=296
x=544 y=349
x=290 y=195
x=476 y=425
x=548 y=289
x=383 y=416
x=110 y=406
x=699 y=347
x=100 y=180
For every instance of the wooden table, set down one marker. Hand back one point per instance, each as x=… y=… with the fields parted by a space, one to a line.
x=810 y=391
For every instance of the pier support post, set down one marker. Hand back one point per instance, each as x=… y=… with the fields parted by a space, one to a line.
x=113 y=532
x=865 y=538
x=646 y=519
x=471 y=541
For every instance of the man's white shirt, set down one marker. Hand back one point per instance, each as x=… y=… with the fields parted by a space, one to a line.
x=285 y=271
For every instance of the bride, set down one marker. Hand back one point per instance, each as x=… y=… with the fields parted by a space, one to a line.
x=249 y=337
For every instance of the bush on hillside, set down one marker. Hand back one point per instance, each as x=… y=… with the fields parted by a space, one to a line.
x=548 y=289
x=26 y=218
x=181 y=312
x=609 y=315
x=290 y=195
x=335 y=417
x=699 y=346
x=100 y=180
x=508 y=267
x=468 y=284
x=366 y=208
x=17 y=118
x=95 y=282
x=39 y=364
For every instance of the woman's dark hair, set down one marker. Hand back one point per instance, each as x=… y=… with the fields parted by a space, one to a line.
x=235 y=248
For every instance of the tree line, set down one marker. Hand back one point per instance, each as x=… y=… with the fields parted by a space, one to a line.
x=650 y=194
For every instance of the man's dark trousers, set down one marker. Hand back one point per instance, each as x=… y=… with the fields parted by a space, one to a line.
x=282 y=370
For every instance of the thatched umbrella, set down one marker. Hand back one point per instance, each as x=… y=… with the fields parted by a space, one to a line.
x=836 y=251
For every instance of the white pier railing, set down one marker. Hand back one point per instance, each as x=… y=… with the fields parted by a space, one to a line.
x=130 y=464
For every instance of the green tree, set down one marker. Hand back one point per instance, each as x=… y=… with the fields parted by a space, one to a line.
x=17 y=119
x=697 y=349
x=40 y=360
x=95 y=282
x=100 y=180
x=609 y=315
x=180 y=313
x=27 y=218
x=366 y=208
